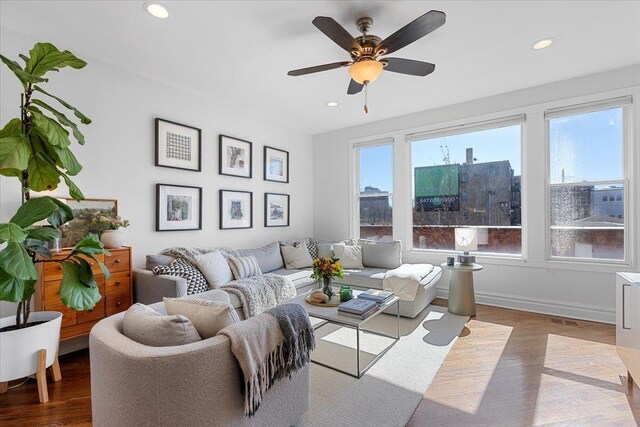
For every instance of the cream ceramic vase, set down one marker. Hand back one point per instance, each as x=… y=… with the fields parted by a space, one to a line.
x=18 y=348
x=112 y=238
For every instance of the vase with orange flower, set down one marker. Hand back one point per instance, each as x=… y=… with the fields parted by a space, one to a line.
x=325 y=270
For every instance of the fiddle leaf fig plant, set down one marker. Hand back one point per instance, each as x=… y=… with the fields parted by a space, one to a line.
x=34 y=148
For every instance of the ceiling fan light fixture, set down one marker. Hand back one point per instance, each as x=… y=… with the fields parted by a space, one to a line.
x=366 y=70
x=332 y=104
x=157 y=10
x=543 y=44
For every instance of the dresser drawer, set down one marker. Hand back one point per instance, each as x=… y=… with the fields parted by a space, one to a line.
x=53 y=270
x=118 y=260
x=96 y=313
x=69 y=317
x=117 y=283
x=51 y=292
x=117 y=302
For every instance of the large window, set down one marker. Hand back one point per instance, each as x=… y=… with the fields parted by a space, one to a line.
x=587 y=183
x=468 y=178
x=375 y=188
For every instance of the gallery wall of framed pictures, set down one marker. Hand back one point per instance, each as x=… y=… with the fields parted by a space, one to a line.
x=180 y=207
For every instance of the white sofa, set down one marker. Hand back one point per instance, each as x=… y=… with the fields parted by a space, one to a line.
x=196 y=384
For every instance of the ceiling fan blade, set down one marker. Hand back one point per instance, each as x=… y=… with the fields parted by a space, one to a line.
x=408 y=66
x=414 y=30
x=318 y=68
x=354 y=87
x=337 y=33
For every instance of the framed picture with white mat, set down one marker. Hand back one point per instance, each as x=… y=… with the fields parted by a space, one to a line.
x=178 y=207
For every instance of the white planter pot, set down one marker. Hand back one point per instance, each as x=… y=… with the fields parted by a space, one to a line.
x=112 y=238
x=18 y=348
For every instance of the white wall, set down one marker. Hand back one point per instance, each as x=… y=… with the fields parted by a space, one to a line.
x=118 y=157
x=533 y=283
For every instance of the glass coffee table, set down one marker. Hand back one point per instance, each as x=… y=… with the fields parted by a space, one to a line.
x=331 y=315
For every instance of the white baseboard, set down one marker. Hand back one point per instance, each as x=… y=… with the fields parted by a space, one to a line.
x=538 y=305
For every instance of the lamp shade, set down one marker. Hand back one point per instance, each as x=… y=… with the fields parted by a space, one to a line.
x=365 y=70
x=466 y=239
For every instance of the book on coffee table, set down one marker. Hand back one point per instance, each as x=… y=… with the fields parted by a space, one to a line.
x=357 y=306
x=376 y=295
x=360 y=316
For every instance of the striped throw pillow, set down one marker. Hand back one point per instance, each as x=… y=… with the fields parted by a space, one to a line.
x=243 y=267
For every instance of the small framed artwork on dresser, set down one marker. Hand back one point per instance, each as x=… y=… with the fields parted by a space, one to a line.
x=235 y=156
x=236 y=209
x=276 y=165
x=178 y=207
x=178 y=146
x=276 y=210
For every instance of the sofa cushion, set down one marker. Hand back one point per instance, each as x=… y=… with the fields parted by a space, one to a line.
x=208 y=317
x=325 y=250
x=269 y=257
x=196 y=282
x=381 y=254
x=291 y=242
x=158 y=259
x=215 y=268
x=370 y=278
x=243 y=267
x=296 y=256
x=144 y=325
x=349 y=256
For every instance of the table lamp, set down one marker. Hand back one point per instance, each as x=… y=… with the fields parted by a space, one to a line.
x=466 y=240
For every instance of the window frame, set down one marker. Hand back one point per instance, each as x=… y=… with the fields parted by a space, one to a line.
x=626 y=103
x=354 y=204
x=497 y=122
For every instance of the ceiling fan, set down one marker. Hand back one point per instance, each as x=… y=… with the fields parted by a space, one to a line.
x=366 y=50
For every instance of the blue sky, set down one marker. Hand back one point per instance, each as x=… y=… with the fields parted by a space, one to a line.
x=587 y=146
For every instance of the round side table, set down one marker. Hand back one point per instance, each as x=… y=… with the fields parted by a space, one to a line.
x=462 y=299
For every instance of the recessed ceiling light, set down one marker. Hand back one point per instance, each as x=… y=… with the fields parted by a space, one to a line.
x=332 y=104
x=542 y=44
x=157 y=10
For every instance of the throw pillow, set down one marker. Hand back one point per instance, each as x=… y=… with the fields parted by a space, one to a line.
x=325 y=250
x=313 y=250
x=291 y=242
x=146 y=326
x=214 y=268
x=269 y=258
x=180 y=268
x=296 y=257
x=158 y=259
x=381 y=254
x=208 y=317
x=243 y=267
x=350 y=256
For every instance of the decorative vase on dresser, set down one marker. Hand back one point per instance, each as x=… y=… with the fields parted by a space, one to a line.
x=628 y=323
x=115 y=291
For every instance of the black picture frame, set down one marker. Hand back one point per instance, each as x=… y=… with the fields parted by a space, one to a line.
x=266 y=166
x=159 y=210
x=266 y=210
x=159 y=160
x=221 y=212
x=222 y=157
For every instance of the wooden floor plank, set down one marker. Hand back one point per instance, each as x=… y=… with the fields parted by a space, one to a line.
x=508 y=368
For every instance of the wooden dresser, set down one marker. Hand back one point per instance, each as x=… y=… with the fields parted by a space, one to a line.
x=115 y=291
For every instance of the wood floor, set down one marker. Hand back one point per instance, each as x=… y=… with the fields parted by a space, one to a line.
x=509 y=368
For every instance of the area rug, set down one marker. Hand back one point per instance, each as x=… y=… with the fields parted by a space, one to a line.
x=391 y=390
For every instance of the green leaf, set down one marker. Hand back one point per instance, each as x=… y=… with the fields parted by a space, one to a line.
x=68 y=161
x=14 y=152
x=105 y=270
x=15 y=260
x=89 y=245
x=84 y=119
x=11 y=172
x=36 y=246
x=50 y=130
x=13 y=289
x=43 y=176
x=34 y=210
x=74 y=191
x=45 y=234
x=61 y=215
x=78 y=289
x=24 y=76
x=45 y=57
x=12 y=128
x=62 y=119
x=11 y=232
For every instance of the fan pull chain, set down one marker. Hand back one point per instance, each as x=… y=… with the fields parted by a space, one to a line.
x=366 y=109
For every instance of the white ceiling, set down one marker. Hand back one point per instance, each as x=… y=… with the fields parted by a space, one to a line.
x=240 y=51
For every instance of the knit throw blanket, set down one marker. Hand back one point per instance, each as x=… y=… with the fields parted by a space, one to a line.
x=260 y=293
x=269 y=347
x=190 y=254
